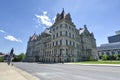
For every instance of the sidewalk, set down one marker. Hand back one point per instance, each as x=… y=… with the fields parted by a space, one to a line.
x=13 y=73
x=112 y=65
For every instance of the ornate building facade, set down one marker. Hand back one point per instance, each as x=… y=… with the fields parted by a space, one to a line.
x=62 y=42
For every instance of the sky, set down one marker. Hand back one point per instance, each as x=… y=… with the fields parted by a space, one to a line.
x=19 y=19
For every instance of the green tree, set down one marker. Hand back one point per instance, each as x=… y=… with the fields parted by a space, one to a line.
x=91 y=58
x=116 y=57
x=1 y=59
x=100 y=57
x=19 y=57
x=105 y=57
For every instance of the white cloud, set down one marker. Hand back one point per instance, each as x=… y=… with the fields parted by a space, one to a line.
x=2 y=31
x=44 y=19
x=12 y=38
x=45 y=12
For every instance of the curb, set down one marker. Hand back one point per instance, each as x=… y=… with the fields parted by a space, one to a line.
x=26 y=75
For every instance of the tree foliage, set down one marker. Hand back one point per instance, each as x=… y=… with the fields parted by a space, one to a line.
x=105 y=57
x=91 y=58
x=110 y=57
x=19 y=57
x=1 y=58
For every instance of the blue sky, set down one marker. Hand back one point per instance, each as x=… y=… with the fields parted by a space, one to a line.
x=19 y=19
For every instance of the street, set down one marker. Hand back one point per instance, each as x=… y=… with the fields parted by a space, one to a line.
x=70 y=71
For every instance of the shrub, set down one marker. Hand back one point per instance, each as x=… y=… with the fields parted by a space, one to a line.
x=1 y=59
x=91 y=58
x=19 y=58
x=105 y=57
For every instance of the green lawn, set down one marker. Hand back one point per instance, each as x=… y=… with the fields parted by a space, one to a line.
x=98 y=62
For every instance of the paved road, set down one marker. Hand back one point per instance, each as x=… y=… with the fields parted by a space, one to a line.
x=71 y=71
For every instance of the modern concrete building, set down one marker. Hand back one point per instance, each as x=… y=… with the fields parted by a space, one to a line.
x=115 y=38
x=113 y=47
x=62 y=42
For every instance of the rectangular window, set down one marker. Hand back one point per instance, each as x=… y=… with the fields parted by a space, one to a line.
x=69 y=27
x=66 y=51
x=118 y=52
x=66 y=42
x=57 y=35
x=60 y=42
x=107 y=53
x=73 y=36
x=53 y=36
x=70 y=42
x=113 y=52
x=65 y=25
x=66 y=33
x=53 y=43
x=60 y=52
x=56 y=43
x=60 y=33
x=74 y=44
x=69 y=34
x=50 y=45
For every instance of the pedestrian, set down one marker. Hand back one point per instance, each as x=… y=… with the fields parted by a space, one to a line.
x=8 y=60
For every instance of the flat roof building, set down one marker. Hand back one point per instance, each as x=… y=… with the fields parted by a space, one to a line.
x=111 y=48
x=115 y=38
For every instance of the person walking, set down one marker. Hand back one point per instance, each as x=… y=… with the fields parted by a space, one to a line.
x=10 y=56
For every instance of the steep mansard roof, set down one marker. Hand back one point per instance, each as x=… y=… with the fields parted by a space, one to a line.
x=43 y=34
x=84 y=31
x=63 y=15
x=47 y=31
x=33 y=37
x=60 y=16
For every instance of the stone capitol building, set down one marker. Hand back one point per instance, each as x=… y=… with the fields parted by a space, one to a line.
x=62 y=42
